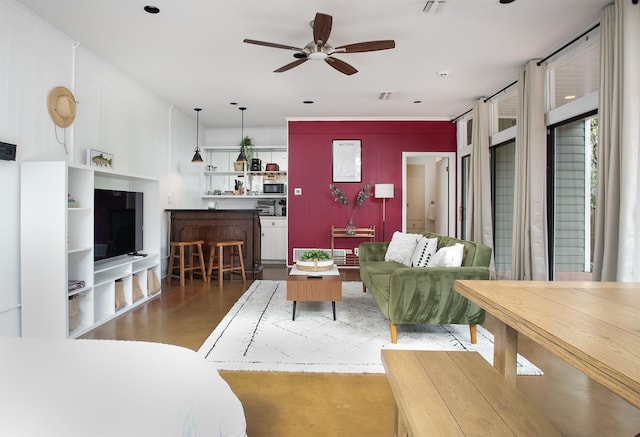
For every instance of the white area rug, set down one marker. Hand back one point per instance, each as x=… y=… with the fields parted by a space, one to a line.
x=258 y=334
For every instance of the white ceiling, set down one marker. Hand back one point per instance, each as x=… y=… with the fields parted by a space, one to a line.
x=192 y=53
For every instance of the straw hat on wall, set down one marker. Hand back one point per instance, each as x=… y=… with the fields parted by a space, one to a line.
x=62 y=106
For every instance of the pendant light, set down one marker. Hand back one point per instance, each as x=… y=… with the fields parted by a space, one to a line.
x=196 y=156
x=242 y=156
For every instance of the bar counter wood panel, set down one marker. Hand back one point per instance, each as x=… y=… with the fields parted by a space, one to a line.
x=221 y=225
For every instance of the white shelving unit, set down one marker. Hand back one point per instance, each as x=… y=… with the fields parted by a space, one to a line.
x=218 y=174
x=57 y=246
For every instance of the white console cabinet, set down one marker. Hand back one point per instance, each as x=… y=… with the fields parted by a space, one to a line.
x=56 y=240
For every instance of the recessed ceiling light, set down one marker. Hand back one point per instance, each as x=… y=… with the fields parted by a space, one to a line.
x=443 y=73
x=233 y=103
x=570 y=97
x=151 y=9
x=417 y=101
x=308 y=102
x=505 y=2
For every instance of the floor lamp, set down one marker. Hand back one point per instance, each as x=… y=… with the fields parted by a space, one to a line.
x=384 y=192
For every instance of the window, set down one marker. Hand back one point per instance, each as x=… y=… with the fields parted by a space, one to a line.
x=572 y=202
x=574 y=76
x=503 y=161
x=465 y=163
x=506 y=107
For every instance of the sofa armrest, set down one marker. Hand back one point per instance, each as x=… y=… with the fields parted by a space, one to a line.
x=372 y=251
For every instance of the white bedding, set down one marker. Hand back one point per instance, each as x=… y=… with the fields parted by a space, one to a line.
x=112 y=388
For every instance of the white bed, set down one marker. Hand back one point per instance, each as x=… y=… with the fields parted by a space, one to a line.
x=112 y=388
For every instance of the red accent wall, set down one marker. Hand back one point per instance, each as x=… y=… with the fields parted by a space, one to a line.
x=310 y=168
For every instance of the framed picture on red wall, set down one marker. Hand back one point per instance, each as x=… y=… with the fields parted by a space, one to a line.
x=347 y=161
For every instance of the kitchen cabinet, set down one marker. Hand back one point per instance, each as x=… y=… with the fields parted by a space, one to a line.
x=274 y=239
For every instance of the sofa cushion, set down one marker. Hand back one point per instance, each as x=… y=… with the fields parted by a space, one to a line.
x=401 y=248
x=450 y=256
x=372 y=269
x=425 y=249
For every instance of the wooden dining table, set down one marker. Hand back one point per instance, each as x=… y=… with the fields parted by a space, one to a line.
x=593 y=326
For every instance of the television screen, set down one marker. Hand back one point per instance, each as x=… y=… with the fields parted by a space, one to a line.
x=117 y=223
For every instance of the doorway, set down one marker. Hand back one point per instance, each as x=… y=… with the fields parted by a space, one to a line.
x=428 y=195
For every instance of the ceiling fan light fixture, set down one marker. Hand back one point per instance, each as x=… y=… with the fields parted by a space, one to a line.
x=317 y=56
x=319 y=49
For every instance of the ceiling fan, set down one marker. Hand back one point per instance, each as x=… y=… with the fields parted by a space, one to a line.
x=320 y=49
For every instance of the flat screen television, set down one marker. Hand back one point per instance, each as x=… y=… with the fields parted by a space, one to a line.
x=117 y=223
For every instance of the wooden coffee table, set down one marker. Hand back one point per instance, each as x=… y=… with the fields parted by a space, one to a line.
x=314 y=287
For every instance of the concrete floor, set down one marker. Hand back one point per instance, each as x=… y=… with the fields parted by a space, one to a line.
x=307 y=404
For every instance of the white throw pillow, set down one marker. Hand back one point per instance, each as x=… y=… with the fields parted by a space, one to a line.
x=448 y=256
x=425 y=249
x=401 y=248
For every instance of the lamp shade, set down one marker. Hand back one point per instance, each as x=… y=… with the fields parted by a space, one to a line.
x=383 y=191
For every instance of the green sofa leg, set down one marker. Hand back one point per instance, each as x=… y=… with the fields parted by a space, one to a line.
x=473 y=333
x=364 y=288
x=394 y=332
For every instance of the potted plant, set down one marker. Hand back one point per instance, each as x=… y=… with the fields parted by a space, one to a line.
x=339 y=196
x=315 y=260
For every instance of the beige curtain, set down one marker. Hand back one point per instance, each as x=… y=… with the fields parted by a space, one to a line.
x=617 y=221
x=529 y=257
x=479 y=227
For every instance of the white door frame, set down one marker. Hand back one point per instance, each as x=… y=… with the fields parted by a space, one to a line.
x=452 y=185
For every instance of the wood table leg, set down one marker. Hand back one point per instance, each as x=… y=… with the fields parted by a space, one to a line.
x=505 y=351
x=400 y=424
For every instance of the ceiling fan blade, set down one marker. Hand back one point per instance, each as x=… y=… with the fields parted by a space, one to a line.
x=322 y=28
x=272 y=44
x=341 y=66
x=290 y=66
x=368 y=46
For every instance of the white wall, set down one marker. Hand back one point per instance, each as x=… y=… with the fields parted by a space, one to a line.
x=114 y=114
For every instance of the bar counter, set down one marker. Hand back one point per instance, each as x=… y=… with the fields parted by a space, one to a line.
x=212 y=225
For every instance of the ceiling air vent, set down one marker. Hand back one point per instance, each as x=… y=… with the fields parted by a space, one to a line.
x=432 y=6
x=384 y=95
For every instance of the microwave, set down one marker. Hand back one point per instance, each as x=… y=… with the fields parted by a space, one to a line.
x=273 y=188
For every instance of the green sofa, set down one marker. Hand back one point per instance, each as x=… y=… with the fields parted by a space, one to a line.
x=424 y=295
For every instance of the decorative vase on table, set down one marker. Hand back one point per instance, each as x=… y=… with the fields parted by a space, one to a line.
x=350 y=229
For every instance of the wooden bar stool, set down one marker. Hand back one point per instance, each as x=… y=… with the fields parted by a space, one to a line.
x=186 y=250
x=217 y=253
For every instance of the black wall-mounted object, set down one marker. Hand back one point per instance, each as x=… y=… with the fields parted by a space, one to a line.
x=7 y=151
